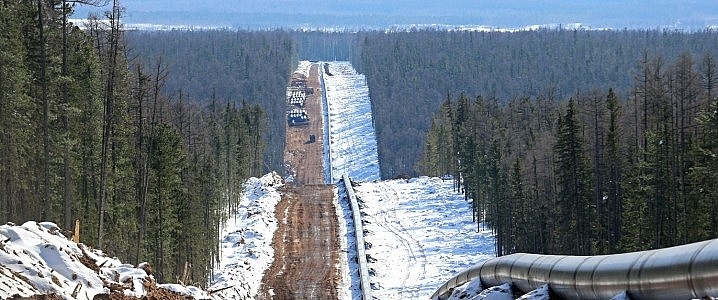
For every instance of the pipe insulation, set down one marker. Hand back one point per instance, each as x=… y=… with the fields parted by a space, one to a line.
x=680 y=272
x=364 y=280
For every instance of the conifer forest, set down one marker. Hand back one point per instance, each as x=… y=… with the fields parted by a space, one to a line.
x=568 y=141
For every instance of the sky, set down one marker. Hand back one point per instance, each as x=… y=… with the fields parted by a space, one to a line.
x=378 y=14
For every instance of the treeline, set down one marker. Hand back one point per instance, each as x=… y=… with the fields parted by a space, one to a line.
x=230 y=65
x=409 y=73
x=86 y=132
x=600 y=172
x=326 y=46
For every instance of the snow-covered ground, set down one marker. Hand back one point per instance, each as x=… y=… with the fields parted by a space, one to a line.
x=420 y=234
x=246 y=246
x=348 y=263
x=352 y=141
x=36 y=258
x=420 y=231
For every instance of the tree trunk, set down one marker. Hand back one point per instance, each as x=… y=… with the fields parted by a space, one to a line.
x=109 y=116
x=45 y=113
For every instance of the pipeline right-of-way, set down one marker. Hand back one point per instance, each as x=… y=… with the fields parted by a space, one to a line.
x=682 y=272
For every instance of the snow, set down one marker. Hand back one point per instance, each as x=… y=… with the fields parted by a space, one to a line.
x=421 y=234
x=541 y=293
x=36 y=258
x=501 y=292
x=352 y=141
x=303 y=68
x=246 y=249
x=469 y=289
x=474 y=291
x=349 y=287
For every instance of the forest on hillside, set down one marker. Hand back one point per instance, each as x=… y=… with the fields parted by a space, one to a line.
x=226 y=67
x=410 y=73
x=146 y=137
x=231 y=66
x=600 y=173
x=88 y=133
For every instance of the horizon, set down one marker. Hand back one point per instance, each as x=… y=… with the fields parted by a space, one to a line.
x=375 y=14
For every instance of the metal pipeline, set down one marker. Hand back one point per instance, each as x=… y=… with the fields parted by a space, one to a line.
x=681 y=272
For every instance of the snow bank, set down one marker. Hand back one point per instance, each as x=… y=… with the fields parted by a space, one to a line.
x=36 y=258
x=349 y=287
x=419 y=234
x=352 y=141
x=473 y=290
x=46 y=261
x=303 y=68
x=246 y=245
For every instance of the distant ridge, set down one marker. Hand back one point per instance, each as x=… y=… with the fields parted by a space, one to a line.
x=390 y=28
x=352 y=15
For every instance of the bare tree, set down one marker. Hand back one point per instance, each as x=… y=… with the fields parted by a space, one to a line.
x=114 y=40
x=66 y=8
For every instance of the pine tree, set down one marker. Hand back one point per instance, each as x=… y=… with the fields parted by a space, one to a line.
x=703 y=204
x=614 y=162
x=15 y=116
x=166 y=199
x=574 y=212
x=439 y=157
x=521 y=227
x=429 y=163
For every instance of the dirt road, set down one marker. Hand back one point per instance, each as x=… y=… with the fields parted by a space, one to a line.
x=305 y=246
x=303 y=158
x=306 y=242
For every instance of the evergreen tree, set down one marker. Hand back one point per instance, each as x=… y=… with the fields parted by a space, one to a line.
x=703 y=200
x=429 y=163
x=145 y=176
x=15 y=117
x=614 y=162
x=439 y=157
x=166 y=200
x=575 y=213
x=521 y=226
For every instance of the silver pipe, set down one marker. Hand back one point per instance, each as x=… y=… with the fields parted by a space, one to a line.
x=364 y=280
x=681 y=272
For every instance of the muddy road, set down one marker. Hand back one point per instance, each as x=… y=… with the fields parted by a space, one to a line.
x=306 y=242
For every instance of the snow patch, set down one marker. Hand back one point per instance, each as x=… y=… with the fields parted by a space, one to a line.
x=246 y=244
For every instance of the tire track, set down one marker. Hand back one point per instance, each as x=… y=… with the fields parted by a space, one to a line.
x=414 y=250
x=306 y=242
x=305 y=265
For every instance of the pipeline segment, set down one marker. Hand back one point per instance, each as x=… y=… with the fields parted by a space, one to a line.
x=680 y=272
x=364 y=280
x=328 y=176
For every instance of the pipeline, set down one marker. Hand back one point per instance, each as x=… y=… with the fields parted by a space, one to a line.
x=364 y=282
x=328 y=176
x=680 y=272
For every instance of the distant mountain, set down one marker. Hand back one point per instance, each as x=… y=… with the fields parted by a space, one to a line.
x=376 y=14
